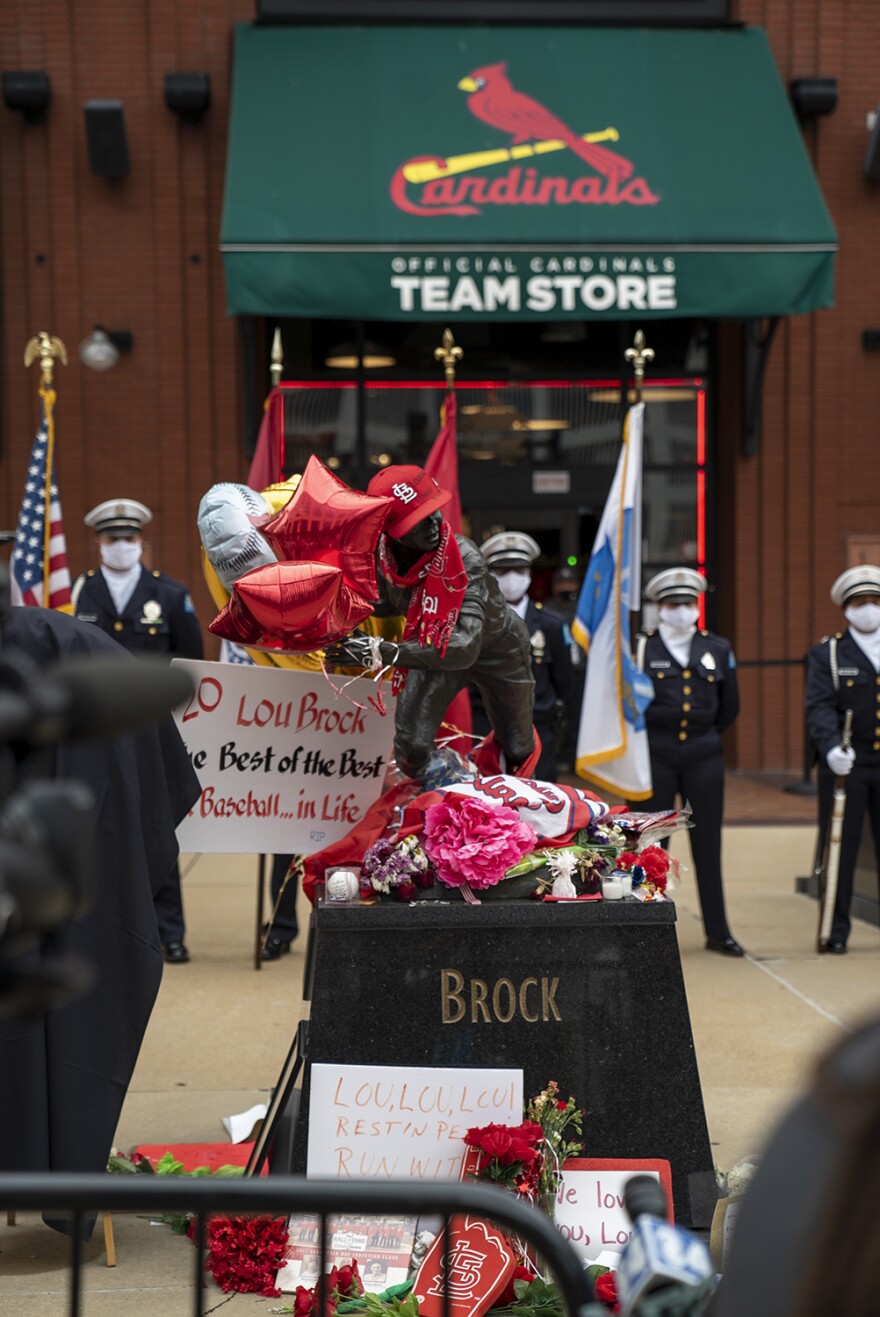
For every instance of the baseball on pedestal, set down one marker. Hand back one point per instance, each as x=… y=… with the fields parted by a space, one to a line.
x=342 y=885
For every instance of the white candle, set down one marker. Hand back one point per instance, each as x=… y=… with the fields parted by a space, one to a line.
x=612 y=889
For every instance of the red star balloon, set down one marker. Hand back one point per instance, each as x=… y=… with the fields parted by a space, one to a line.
x=325 y=582
x=291 y=607
x=328 y=522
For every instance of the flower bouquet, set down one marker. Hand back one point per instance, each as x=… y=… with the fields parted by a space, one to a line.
x=499 y=837
x=650 y=871
x=528 y=1158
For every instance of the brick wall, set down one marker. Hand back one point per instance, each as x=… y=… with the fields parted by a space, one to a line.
x=141 y=254
x=138 y=254
x=787 y=511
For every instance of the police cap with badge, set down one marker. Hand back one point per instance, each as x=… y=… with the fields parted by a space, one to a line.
x=119 y=517
x=675 y=583
x=856 y=581
x=509 y=550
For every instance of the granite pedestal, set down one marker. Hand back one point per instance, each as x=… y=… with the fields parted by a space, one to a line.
x=590 y=994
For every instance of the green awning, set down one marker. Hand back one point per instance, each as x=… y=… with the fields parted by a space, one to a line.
x=518 y=174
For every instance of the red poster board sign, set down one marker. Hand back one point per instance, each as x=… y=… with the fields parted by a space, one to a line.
x=589 y=1205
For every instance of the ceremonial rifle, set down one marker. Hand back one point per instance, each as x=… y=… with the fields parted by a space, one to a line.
x=831 y=860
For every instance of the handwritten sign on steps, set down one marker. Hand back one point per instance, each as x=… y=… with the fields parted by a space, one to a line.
x=402 y=1122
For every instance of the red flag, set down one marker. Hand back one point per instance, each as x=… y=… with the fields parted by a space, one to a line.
x=267 y=466
x=442 y=464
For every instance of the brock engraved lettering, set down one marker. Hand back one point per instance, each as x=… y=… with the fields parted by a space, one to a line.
x=478 y=1002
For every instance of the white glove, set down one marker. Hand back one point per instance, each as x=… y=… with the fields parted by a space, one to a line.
x=840 y=761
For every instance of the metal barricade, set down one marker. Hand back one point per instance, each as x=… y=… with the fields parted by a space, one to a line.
x=82 y=1196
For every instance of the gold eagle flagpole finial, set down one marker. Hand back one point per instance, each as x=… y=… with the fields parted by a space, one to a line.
x=49 y=350
x=448 y=354
x=639 y=355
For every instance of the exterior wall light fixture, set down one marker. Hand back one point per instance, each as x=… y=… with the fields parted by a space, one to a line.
x=102 y=349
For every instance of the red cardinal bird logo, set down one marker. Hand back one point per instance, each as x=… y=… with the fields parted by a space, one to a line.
x=494 y=100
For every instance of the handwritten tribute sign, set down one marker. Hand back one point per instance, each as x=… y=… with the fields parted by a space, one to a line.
x=285 y=765
x=589 y=1204
x=402 y=1122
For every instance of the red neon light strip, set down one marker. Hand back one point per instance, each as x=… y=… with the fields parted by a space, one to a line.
x=487 y=384
x=701 y=427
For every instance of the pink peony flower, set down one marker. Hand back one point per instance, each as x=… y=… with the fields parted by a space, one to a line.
x=470 y=841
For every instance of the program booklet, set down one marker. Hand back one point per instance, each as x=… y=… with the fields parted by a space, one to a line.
x=381 y=1245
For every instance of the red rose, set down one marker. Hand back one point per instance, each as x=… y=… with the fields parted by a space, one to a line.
x=497 y=1143
x=304 y=1303
x=529 y=1130
x=627 y=860
x=474 y=1137
x=345 y=1282
x=520 y=1151
x=606 y=1289
x=508 y=1295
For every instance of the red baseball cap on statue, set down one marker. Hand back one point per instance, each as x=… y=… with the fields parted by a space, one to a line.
x=416 y=495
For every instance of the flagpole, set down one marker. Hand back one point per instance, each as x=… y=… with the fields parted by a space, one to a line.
x=639 y=354
x=49 y=350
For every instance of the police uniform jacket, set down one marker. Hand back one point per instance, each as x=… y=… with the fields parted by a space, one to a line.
x=694 y=703
x=158 y=619
x=840 y=676
x=551 y=662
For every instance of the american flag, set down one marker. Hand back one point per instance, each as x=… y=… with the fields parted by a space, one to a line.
x=38 y=555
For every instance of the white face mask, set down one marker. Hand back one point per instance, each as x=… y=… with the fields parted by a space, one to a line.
x=513 y=585
x=680 y=617
x=121 y=555
x=865 y=619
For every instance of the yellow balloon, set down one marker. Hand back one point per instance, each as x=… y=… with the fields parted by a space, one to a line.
x=279 y=495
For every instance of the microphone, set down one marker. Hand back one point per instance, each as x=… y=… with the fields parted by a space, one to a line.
x=90 y=698
x=658 y=1255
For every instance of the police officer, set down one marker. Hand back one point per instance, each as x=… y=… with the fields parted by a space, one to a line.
x=147 y=613
x=843 y=672
x=565 y=589
x=695 y=700
x=509 y=556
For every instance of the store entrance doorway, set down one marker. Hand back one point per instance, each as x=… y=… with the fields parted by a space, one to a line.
x=564 y=536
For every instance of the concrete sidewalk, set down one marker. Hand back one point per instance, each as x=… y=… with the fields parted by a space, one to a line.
x=221 y=1030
